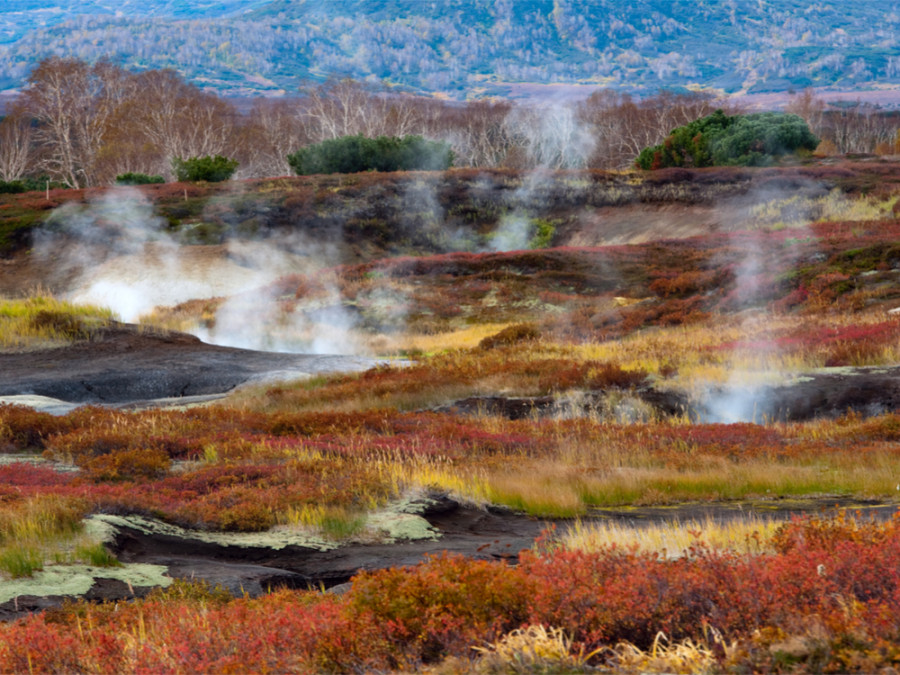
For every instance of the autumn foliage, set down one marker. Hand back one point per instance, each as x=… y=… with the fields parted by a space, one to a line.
x=828 y=598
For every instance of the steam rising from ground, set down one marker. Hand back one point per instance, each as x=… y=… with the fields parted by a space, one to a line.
x=742 y=398
x=553 y=138
x=117 y=254
x=261 y=319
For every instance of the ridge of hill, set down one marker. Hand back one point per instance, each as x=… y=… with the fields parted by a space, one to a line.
x=469 y=47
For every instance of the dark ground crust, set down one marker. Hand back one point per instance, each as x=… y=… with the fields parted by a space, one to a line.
x=124 y=363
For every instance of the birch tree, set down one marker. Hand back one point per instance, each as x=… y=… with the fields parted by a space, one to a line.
x=16 y=151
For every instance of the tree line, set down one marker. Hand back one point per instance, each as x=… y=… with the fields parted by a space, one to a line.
x=82 y=124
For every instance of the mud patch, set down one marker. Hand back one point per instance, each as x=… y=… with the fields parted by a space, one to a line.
x=616 y=405
x=485 y=533
x=828 y=393
x=155 y=553
x=126 y=364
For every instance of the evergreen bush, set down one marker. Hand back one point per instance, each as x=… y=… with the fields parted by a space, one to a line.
x=209 y=169
x=352 y=154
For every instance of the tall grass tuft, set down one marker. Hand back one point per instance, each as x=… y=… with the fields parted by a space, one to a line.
x=42 y=321
x=97 y=555
x=746 y=534
x=332 y=522
x=20 y=561
x=33 y=529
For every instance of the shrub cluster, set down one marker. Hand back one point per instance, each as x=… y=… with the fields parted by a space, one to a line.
x=353 y=154
x=720 y=139
x=27 y=184
x=209 y=169
x=132 y=178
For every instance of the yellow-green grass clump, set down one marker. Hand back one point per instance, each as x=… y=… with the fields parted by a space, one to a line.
x=42 y=321
x=44 y=529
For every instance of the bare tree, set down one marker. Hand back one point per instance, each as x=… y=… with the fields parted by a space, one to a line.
x=348 y=108
x=624 y=126
x=177 y=120
x=16 y=151
x=60 y=96
x=858 y=127
x=810 y=108
x=338 y=108
x=476 y=131
x=551 y=136
x=270 y=132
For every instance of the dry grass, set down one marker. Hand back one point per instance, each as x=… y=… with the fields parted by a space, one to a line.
x=555 y=488
x=712 y=352
x=663 y=656
x=533 y=649
x=43 y=321
x=745 y=534
x=419 y=344
x=799 y=211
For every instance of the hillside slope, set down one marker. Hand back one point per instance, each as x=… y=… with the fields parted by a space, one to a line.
x=469 y=46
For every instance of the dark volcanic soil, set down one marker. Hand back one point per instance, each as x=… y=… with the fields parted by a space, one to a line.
x=828 y=393
x=124 y=363
x=490 y=534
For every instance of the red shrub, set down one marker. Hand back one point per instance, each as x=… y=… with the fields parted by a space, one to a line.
x=442 y=606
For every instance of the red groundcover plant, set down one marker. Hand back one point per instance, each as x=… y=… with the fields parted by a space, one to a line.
x=836 y=581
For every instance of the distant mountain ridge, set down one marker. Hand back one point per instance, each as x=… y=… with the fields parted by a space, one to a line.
x=469 y=47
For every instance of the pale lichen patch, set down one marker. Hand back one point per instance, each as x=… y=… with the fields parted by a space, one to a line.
x=76 y=580
x=275 y=539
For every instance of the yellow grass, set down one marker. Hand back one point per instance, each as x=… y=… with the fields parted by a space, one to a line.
x=413 y=343
x=559 y=488
x=532 y=649
x=664 y=656
x=744 y=534
x=43 y=321
x=798 y=211
x=693 y=353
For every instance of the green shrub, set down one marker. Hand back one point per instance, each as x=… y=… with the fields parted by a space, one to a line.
x=12 y=187
x=210 y=169
x=543 y=233
x=352 y=154
x=131 y=178
x=736 y=140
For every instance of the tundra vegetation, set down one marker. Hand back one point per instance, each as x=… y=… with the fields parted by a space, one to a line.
x=590 y=329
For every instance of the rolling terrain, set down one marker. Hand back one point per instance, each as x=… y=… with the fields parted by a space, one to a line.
x=573 y=368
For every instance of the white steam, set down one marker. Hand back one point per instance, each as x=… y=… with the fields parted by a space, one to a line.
x=259 y=319
x=742 y=398
x=553 y=138
x=115 y=253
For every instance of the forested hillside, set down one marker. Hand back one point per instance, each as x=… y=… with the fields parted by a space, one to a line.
x=463 y=47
